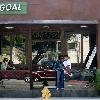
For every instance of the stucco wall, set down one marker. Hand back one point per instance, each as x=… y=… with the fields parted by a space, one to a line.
x=58 y=9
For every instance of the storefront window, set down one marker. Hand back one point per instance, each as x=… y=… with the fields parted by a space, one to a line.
x=45 y=46
x=5 y=44
x=18 y=49
x=74 y=47
x=86 y=47
x=13 y=48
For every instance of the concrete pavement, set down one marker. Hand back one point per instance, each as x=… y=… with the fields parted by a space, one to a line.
x=20 y=89
x=51 y=98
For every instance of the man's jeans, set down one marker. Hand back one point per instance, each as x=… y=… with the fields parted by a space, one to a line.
x=59 y=79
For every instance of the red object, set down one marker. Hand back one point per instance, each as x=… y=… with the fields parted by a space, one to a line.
x=38 y=74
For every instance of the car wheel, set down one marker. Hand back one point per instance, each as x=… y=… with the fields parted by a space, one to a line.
x=27 y=78
x=36 y=79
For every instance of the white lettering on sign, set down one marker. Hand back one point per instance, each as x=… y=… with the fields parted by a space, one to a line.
x=2 y=7
x=19 y=7
x=10 y=7
x=14 y=7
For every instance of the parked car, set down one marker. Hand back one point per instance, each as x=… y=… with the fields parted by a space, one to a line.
x=44 y=72
x=16 y=74
x=76 y=74
x=39 y=73
x=84 y=75
x=88 y=75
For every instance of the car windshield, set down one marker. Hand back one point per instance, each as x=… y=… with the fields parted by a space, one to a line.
x=48 y=64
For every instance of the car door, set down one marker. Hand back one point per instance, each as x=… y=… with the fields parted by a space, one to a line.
x=41 y=72
x=8 y=74
x=13 y=74
x=50 y=73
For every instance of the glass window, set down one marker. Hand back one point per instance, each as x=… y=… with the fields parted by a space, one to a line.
x=74 y=47
x=5 y=47
x=18 y=49
x=86 y=46
x=45 y=46
x=13 y=48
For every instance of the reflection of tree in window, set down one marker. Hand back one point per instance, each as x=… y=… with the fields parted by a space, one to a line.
x=19 y=49
x=44 y=47
x=73 y=45
x=5 y=47
x=59 y=46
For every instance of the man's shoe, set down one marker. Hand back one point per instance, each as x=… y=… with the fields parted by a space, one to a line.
x=57 y=88
x=62 y=88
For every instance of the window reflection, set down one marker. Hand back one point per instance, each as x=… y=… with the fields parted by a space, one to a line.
x=5 y=47
x=86 y=46
x=18 y=50
x=73 y=47
x=45 y=47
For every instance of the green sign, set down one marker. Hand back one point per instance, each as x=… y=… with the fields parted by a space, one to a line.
x=13 y=7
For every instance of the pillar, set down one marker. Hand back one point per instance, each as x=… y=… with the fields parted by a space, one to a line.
x=0 y=45
x=98 y=45
x=63 y=42
x=29 y=46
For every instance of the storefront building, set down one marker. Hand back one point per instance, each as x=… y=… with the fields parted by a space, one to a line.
x=73 y=26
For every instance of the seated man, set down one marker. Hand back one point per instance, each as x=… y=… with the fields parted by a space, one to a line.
x=4 y=64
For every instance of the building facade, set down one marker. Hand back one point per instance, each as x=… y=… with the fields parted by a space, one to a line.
x=65 y=16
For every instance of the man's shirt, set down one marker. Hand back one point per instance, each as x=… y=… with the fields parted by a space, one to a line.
x=67 y=63
x=58 y=65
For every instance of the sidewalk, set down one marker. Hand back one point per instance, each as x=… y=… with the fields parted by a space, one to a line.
x=72 y=88
x=51 y=98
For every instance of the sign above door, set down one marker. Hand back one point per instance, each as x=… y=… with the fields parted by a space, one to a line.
x=13 y=7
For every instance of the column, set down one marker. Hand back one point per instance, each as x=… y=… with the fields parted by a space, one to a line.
x=63 y=42
x=98 y=45
x=29 y=46
x=0 y=45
